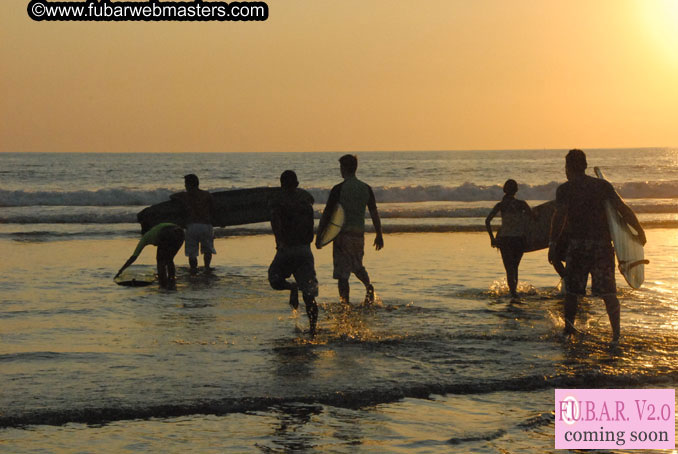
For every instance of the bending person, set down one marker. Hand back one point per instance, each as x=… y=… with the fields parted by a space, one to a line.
x=511 y=235
x=168 y=238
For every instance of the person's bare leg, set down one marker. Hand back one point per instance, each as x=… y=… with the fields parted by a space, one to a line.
x=614 y=314
x=171 y=276
x=312 y=312
x=193 y=263
x=508 y=257
x=163 y=274
x=283 y=284
x=344 y=290
x=571 y=303
x=362 y=275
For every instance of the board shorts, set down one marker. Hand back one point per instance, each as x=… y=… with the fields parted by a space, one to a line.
x=199 y=235
x=170 y=240
x=297 y=261
x=347 y=252
x=593 y=257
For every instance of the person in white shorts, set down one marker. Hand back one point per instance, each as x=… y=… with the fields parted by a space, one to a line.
x=199 y=231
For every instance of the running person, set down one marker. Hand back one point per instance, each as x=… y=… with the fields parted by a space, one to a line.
x=199 y=231
x=349 y=246
x=511 y=235
x=580 y=213
x=292 y=224
x=168 y=238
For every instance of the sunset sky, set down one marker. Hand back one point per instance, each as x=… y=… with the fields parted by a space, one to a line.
x=354 y=75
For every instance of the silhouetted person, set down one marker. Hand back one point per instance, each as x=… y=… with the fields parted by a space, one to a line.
x=199 y=231
x=292 y=224
x=580 y=213
x=168 y=238
x=515 y=214
x=349 y=246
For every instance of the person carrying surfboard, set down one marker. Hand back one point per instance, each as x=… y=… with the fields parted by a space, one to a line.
x=168 y=238
x=199 y=231
x=292 y=224
x=515 y=215
x=580 y=214
x=349 y=245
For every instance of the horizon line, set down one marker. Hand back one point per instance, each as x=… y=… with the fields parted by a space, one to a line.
x=347 y=151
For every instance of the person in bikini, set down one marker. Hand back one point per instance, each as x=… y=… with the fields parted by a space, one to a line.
x=515 y=214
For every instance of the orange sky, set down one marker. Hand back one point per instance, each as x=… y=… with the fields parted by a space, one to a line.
x=328 y=75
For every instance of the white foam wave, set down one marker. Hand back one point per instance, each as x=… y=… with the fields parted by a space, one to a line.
x=70 y=218
x=102 y=197
x=466 y=192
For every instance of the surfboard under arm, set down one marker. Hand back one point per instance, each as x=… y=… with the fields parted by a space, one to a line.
x=333 y=226
x=630 y=253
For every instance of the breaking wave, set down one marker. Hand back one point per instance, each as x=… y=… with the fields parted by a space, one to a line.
x=466 y=192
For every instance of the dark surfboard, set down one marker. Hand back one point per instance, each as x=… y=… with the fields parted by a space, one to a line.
x=538 y=230
x=134 y=283
x=236 y=207
x=136 y=276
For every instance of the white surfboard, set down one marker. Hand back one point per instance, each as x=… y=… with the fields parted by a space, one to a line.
x=630 y=253
x=333 y=227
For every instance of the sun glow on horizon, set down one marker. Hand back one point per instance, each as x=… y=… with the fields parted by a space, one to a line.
x=350 y=75
x=661 y=23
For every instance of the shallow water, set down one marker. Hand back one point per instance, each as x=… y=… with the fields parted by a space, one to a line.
x=443 y=363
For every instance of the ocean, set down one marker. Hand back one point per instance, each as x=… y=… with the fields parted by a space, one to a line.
x=444 y=362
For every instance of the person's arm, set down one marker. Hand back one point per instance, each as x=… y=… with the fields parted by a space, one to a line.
x=332 y=202
x=557 y=226
x=127 y=263
x=488 y=223
x=276 y=224
x=558 y=222
x=629 y=216
x=376 y=221
x=212 y=209
x=146 y=239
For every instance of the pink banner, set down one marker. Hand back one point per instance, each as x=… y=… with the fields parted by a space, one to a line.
x=615 y=418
